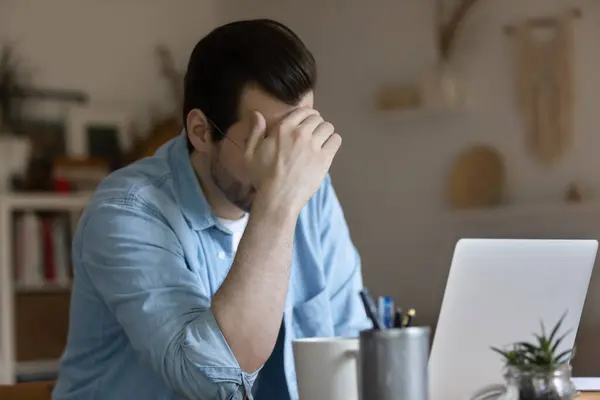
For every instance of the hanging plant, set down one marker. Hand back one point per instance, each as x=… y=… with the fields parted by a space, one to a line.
x=447 y=31
x=9 y=82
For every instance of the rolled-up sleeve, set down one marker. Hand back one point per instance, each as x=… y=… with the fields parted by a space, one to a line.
x=136 y=264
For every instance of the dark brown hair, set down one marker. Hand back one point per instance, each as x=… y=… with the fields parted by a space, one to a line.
x=261 y=52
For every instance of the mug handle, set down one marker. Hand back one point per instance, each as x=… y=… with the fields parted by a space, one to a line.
x=491 y=392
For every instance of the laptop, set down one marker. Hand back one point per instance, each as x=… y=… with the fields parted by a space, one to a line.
x=498 y=292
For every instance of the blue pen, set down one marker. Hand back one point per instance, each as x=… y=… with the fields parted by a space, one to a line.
x=386 y=311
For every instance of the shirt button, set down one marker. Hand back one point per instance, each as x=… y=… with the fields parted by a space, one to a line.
x=221 y=255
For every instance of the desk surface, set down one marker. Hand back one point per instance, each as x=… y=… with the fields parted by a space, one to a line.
x=589 y=396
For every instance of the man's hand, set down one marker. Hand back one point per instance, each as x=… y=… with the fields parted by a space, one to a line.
x=289 y=162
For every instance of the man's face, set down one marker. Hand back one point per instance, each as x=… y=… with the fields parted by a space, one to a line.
x=227 y=165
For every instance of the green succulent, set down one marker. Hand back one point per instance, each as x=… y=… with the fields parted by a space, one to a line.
x=542 y=355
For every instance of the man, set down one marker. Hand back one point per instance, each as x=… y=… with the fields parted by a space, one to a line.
x=197 y=267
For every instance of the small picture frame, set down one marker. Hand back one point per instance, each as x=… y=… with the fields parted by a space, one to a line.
x=98 y=133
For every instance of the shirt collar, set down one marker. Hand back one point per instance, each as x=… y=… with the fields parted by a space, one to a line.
x=193 y=203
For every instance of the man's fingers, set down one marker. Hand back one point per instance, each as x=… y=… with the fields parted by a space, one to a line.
x=332 y=145
x=297 y=116
x=310 y=124
x=322 y=133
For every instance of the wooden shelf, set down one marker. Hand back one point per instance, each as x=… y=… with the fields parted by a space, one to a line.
x=39 y=367
x=44 y=288
x=420 y=114
x=512 y=211
x=34 y=318
x=43 y=201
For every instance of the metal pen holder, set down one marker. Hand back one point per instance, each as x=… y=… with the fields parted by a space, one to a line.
x=393 y=364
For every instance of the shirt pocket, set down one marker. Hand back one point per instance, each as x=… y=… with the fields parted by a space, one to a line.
x=312 y=318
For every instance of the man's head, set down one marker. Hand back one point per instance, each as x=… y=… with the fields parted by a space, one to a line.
x=245 y=66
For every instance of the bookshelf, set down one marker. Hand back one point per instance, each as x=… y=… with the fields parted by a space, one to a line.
x=34 y=297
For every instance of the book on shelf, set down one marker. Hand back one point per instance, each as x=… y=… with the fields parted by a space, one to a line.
x=42 y=248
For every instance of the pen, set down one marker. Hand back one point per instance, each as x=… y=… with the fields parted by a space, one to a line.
x=386 y=311
x=409 y=317
x=398 y=318
x=370 y=308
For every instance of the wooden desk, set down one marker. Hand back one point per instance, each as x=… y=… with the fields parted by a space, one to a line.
x=589 y=396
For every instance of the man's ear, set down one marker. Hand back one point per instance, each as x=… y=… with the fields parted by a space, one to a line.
x=198 y=130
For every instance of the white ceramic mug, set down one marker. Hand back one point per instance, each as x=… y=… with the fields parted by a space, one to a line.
x=326 y=368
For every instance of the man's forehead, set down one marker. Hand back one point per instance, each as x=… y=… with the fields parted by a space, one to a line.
x=254 y=99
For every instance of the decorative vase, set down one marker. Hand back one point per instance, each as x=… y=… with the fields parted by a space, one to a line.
x=440 y=88
x=15 y=152
x=531 y=385
x=540 y=385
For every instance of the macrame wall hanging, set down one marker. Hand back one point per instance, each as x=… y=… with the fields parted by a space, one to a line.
x=543 y=54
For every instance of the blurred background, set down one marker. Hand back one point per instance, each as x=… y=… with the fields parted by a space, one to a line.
x=459 y=118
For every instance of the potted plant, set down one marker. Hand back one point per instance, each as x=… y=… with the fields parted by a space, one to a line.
x=539 y=370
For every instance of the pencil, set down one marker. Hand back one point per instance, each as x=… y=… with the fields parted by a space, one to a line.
x=370 y=308
x=409 y=317
x=398 y=318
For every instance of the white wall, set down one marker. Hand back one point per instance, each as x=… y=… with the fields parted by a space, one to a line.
x=390 y=173
x=105 y=48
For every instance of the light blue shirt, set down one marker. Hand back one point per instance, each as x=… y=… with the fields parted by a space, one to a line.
x=148 y=256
